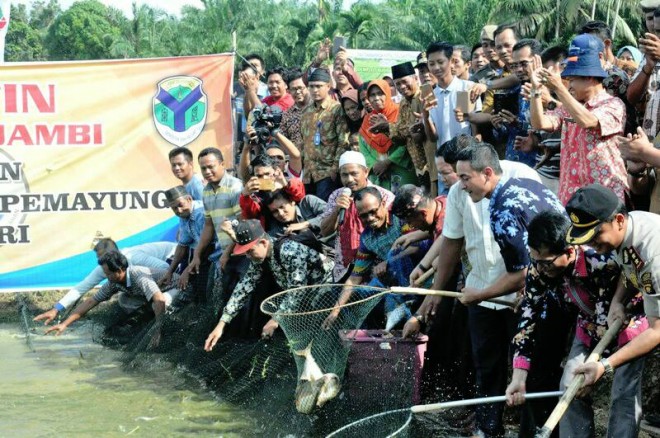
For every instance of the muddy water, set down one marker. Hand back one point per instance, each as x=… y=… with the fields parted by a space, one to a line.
x=69 y=386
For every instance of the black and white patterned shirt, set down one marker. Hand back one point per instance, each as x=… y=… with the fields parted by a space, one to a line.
x=299 y=265
x=140 y=282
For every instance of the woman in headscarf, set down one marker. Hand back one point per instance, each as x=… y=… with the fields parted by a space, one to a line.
x=629 y=59
x=389 y=162
x=353 y=114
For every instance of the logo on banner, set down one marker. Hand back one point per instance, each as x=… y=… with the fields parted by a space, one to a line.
x=180 y=107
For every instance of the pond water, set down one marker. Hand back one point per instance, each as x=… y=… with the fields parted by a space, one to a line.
x=70 y=386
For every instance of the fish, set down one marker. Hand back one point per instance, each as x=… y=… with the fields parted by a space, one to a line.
x=314 y=388
x=400 y=313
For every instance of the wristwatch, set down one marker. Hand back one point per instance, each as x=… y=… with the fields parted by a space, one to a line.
x=609 y=370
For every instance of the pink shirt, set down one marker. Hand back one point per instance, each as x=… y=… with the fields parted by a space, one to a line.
x=592 y=155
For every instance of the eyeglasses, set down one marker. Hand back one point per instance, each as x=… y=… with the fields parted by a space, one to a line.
x=546 y=263
x=295 y=90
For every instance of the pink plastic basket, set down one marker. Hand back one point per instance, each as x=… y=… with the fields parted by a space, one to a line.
x=383 y=365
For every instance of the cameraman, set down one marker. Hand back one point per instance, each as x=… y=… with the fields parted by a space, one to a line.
x=256 y=144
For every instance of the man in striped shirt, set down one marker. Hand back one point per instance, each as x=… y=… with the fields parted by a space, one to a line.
x=220 y=199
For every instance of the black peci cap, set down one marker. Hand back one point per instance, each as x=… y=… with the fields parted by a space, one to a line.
x=402 y=70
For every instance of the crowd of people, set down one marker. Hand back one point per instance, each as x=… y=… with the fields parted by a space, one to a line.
x=517 y=172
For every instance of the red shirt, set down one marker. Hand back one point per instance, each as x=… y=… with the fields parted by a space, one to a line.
x=439 y=217
x=285 y=102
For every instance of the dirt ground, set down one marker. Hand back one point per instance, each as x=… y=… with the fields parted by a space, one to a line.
x=40 y=301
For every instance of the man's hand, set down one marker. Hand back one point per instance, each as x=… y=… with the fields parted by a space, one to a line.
x=650 y=47
x=323 y=52
x=158 y=303
x=508 y=117
x=381 y=167
x=496 y=120
x=214 y=336
x=404 y=241
x=46 y=317
x=551 y=78
x=592 y=371
x=459 y=115
x=193 y=266
x=476 y=91
x=293 y=228
x=167 y=278
x=248 y=81
x=269 y=329
x=184 y=278
x=411 y=328
x=634 y=147
x=228 y=228
x=534 y=72
x=617 y=312
x=331 y=318
x=280 y=179
x=380 y=269
x=429 y=102
x=515 y=392
x=57 y=329
x=251 y=186
x=343 y=201
x=470 y=296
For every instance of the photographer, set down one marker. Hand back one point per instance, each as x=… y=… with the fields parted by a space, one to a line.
x=266 y=177
x=263 y=135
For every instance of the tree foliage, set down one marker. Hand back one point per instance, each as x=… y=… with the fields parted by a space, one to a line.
x=289 y=31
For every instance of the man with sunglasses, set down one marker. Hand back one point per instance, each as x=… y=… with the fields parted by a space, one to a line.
x=564 y=278
x=602 y=221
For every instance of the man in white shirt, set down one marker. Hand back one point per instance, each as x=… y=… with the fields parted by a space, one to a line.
x=151 y=255
x=440 y=122
x=468 y=224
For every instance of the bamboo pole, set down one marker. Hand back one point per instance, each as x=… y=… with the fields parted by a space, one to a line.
x=435 y=407
x=441 y=293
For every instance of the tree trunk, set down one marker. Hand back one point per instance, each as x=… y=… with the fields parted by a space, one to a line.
x=593 y=10
x=557 y=6
x=616 y=18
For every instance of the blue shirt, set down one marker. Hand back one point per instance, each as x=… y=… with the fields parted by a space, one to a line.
x=521 y=128
x=513 y=204
x=375 y=244
x=195 y=187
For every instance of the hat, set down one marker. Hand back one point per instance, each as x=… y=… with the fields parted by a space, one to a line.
x=402 y=70
x=588 y=208
x=634 y=51
x=175 y=193
x=649 y=5
x=488 y=32
x=421 y=60
x=583 y=57
x=319 y=75
x=352 y=157
x=247 y=233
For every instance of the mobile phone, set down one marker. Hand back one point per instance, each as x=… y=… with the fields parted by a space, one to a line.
x=338 y=43
x=507 y=101
x=266 y=185
x=427 y=90
x=463 y=102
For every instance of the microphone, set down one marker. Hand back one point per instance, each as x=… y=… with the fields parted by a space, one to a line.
x=342 y=211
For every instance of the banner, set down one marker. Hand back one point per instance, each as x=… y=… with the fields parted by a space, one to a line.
x=83 y=154
x=5 y=7
x=374 y=64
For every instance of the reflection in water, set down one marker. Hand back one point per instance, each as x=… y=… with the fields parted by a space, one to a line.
x=70 y=386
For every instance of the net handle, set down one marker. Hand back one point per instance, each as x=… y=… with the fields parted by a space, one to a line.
x=577 y=382
x=425 y=276
x=435 y=407
x=442 y=293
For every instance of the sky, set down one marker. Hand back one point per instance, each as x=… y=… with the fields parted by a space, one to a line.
x=171 y=6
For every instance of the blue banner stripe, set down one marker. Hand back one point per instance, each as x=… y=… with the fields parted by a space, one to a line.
x=68 y=272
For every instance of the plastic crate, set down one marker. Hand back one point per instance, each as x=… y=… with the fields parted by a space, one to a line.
x=383 y=368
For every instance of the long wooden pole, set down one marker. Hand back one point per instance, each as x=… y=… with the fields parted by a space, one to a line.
x=441 y=293
x=435 y=407
x=577 y=382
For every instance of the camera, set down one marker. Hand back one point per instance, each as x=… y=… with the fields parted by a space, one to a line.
x=266 y=119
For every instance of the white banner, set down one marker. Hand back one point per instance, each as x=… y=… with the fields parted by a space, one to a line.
x=5 y=7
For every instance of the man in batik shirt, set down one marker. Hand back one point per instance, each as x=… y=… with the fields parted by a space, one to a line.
x=563 y=280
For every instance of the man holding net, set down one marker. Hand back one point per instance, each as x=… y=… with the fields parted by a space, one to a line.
x=376 y=257
x=293 y=264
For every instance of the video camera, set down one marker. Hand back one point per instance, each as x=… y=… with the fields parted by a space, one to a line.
x=266 y=120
